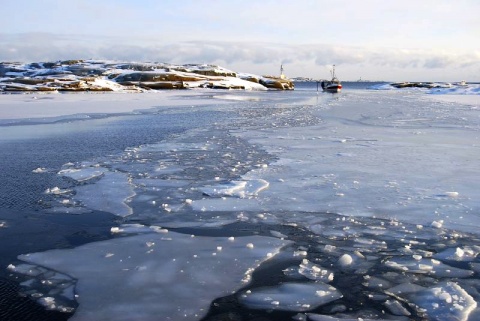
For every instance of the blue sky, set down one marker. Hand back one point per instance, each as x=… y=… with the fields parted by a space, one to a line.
x=415 y=40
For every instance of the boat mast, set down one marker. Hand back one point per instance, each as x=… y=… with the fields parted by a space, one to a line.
x=333 y=72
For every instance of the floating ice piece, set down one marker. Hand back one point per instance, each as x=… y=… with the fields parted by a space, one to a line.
x=82 y=174
x=374 y=282
x=137 y=228
x=452 y=194
x=315 y=272
x=39 y=170
x=445 y=301
x=290 y=296
x=475 y=267
x=241 y=189
x=437 y=224
x=278 y=234
x=427 y=266
x=57 y=191
x=345 y=260
x=396 y=308
x=26 y=269
x=404 y=289
x=464 y=254
x=319 y=317
x=176 y=279
x=108 y=194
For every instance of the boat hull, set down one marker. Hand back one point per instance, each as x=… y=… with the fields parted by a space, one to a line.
x=333 y=88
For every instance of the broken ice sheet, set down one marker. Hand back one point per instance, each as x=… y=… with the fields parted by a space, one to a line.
x=427 y=266
x=109 y=194
x=83 y=174
x=290 y=296
x=445 y=301
x=166 y=274
x=241 y=189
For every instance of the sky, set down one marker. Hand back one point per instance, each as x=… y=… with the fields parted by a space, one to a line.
x=392 y=40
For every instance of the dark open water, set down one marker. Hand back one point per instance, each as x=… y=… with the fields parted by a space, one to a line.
x=22 y=198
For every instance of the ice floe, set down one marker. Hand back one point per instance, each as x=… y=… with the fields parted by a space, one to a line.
x=241 y=189
x=152 y=273
x=290 y=296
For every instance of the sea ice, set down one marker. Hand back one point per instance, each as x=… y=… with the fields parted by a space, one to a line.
x=464 y=254
x=315 y=272
x=427 y=266
x=319 y=317
x=446 y=301
x=169 y=274
x=82 y=174
x=109 y=194
x=290 y=296
x=241 y=189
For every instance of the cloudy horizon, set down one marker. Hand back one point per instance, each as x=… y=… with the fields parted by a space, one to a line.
x=407 y=41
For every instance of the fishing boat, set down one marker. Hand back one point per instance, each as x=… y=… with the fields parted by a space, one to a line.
x=332 y=86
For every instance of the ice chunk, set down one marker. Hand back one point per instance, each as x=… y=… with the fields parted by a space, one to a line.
x=427 y=266
x=82 y=174
x=466 y=254
x=278 y=234
x=290 y=296
x=57 y=191
x=156 y=274
x=319 y=317
x=404 y=289
x=241 y=189
x=396 y=308
x=315 y=272
x=451 y=194
x=437 y=224
x=345 y=260
x=445 y=301
x=108 y=194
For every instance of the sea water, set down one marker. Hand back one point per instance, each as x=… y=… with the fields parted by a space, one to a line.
x=295 y=205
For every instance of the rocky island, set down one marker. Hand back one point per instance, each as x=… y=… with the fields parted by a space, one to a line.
x=105 y=76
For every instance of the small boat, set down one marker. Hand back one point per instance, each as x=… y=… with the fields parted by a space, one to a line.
x=332 y=86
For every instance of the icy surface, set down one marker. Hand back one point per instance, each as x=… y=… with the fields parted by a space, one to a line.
x=447 y=301
x=399 y=166
x=290 y=296
x=109 y=194
x=157 y=273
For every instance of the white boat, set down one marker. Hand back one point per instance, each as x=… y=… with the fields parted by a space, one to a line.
x=332 y=86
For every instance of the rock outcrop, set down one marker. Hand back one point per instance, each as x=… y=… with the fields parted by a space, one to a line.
x=94 y=75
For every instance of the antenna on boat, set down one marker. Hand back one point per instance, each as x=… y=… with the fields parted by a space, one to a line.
x=332 y=72
x=282 y=76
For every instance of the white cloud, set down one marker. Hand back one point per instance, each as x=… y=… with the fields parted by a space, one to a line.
x=258 y=57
